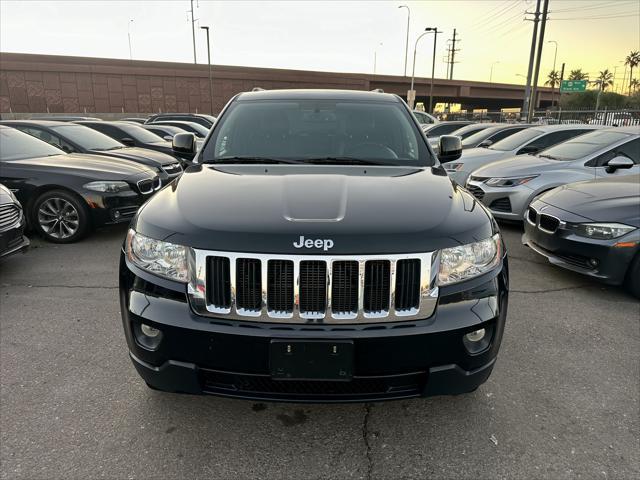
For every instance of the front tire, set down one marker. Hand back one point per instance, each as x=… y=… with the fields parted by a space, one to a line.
x=60 y=217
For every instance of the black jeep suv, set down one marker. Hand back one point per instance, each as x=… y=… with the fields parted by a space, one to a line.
x=317 y=251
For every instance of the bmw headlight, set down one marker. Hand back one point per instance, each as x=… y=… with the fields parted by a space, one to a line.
x=164 y=259
x=603 y=231
x=107 y=186
x=467 y=261
x=509 y=182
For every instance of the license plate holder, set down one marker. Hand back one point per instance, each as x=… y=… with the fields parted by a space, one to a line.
x=311 y=359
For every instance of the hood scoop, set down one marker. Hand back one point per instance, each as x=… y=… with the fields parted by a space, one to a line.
x=304 y=202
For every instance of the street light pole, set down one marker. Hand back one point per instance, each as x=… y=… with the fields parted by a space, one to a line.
x=129 y=35
x=413 y=72
x=375 y=58
x=491 y=73
x=406 y=45
x=209 y=62
x=555 y=56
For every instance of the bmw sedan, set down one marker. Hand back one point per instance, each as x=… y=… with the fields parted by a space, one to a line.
x=531 y=140
x=73 y=138
x=65 y=196
x=509 y=186
x=592 y=228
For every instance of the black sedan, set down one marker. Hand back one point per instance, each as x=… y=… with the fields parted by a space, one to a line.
x=66 y=195
x=444 y=128
x=204 y=120
x=591 y=228
x=12 y=223
x=74 y=138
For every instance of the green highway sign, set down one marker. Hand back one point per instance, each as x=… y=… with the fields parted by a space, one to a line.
x=573 y=86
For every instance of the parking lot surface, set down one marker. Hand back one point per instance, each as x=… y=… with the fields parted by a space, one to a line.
x=563 y=400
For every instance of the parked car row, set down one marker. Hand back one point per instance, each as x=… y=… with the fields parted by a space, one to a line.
x=576 y=187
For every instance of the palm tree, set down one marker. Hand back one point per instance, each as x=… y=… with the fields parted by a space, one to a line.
x=578 y=74
x=553 y=79
x=632 y=61
x=634 y=84
x=604 y=80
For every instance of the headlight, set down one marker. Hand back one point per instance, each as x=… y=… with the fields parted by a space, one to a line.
x=509 y=182
x=155 y=256
x=467 y=261
x=107 y=186
x=453 y=167
x=603 y=231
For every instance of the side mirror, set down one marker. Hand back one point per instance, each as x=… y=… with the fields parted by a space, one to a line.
x=485 y=143
x=168 y=138
x=184 y=144
x=450 y=148
x=619 y=162
x=528 y=149
x=129 y=142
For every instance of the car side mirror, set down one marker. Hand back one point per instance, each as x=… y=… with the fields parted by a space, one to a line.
x=619 y=162
x=528 y=149
x=184 y=144
x=485 y=143
x=129 y=142
x=449 y=148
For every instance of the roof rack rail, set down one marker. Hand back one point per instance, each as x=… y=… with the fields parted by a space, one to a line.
x=257 y=89
x=378 y=90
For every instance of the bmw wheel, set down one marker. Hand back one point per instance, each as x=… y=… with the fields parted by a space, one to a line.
x=60 y=217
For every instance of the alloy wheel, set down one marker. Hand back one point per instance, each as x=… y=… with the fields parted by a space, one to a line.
x=58 y=218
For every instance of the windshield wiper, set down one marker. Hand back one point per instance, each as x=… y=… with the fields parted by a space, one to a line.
x=250 y=160
x=343 y=161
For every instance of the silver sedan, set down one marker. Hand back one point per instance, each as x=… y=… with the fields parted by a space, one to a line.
x=508 y=187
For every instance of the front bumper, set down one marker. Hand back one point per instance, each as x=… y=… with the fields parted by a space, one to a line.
x=13 y=240
x=505 y=203
x=600 y=259
x=231 y=358
x=121 y=207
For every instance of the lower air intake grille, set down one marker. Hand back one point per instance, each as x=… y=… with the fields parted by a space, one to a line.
x=219 y=283
x=407 y=284
x=248 y=284
x=280 y=286
x=376 y=286
x=501 y=205
x=313 y=286
x=344 y=287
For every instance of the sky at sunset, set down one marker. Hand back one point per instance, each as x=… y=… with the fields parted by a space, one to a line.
x=332 y=36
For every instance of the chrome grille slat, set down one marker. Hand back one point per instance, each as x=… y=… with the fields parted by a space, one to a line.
x=321 y=289
x=9 y=216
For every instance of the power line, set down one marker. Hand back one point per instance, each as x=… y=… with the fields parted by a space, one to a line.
x=481 y=24
x=593 y=7
x=622 y=15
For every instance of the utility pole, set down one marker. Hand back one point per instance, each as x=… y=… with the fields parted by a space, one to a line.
x=193 y=31
x=209 y=62
x=527 y=89
x=453 y=53
x=555 y=56
x=129 y=35
x=534 y=86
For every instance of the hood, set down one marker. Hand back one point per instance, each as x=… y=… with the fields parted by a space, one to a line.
x=516 y=165
x=362 y=210
x=144 y=156
x=91 y=166
x=609 y=200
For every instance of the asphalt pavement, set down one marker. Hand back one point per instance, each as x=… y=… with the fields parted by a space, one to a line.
x=562 y=402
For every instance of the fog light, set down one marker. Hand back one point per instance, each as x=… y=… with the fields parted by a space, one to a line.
x=471 y=336
x=593 y=262
x=116 y=215
x=153 y=332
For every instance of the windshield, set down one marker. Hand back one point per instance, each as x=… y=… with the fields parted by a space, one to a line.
x=477 y=137
x=516 y=140
x=16 y=145
x=199 y=129
x=330 y=131
x=469 y=130
x=443 y=129
x=140 y=134
x=583 y=145
x=165 y=130
x=88 y=138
